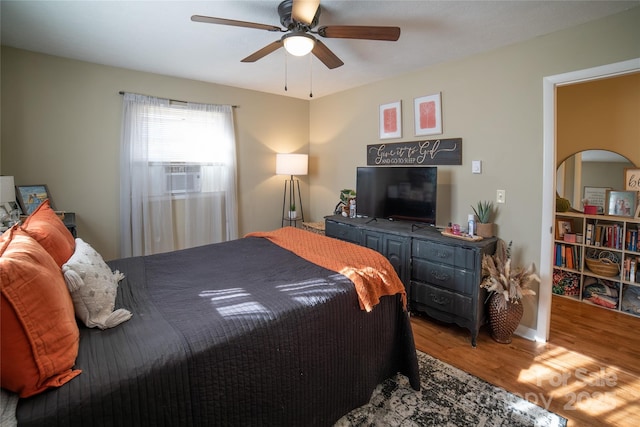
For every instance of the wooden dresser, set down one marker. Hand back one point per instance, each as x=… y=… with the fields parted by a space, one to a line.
x=441 y=274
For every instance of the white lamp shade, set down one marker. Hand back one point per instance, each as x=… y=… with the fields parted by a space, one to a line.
x=7 y=189
x=292 y=164
x=298 y=44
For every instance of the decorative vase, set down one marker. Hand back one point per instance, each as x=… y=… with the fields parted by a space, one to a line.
x=503 y=322
x=293 y=214
x=484 y=229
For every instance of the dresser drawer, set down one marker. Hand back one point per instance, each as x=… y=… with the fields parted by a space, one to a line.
x=444 y=254
x=444 y=276
x=342 y=232
x=442 y=300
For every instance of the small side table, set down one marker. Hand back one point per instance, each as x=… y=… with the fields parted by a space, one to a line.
x=70 y=222
x=68 y=218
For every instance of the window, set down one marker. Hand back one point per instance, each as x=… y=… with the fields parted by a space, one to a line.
x=178 y=175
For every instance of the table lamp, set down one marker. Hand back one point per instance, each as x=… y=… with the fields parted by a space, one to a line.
x=8 y=213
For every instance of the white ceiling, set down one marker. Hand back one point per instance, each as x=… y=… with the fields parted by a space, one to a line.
x=159 y=37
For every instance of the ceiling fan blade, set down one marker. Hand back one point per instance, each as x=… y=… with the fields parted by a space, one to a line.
x=234 y=23
x=305 y=10
x=328 y=58
x=360 y=32
x=264 y=51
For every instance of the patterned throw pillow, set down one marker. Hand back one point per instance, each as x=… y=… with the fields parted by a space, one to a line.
x=93 y=288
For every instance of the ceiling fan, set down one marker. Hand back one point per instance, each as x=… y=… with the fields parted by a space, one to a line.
x=299 y=18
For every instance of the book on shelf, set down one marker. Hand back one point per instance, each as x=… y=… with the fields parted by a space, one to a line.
x=632 y=240
x=607 y=235
x=567 y=256
x=588 y=239
x=630 y=269
x=597 y=241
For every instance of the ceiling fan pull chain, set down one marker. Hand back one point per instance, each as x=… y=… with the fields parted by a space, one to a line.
x=285 y=70
x=310 y=76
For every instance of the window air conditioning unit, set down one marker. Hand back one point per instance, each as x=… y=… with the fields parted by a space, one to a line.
x=182 y=179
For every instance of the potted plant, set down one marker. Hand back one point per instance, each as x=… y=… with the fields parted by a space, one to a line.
x=506 y=286
x=293 y=214
x=484 y=212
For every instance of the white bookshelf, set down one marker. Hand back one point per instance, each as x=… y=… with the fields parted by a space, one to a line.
x=596 y=236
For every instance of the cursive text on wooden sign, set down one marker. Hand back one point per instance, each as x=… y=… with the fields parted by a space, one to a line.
x=416 y=153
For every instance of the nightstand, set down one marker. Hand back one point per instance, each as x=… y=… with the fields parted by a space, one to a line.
x=68 y=218
x=70 y=222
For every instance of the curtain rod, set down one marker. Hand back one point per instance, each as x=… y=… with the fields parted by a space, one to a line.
x=171 y=100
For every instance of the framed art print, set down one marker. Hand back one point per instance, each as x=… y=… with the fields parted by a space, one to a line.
x=31 y=196
x=596 y=196
x=622 y=203
x=632 y=179
x=563 y=226
x=428 y=115
x=391 y=120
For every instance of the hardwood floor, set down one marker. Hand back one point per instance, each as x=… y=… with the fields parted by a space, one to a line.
x=588 y=372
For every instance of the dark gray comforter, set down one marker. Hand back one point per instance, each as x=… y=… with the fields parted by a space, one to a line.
x=238 y=333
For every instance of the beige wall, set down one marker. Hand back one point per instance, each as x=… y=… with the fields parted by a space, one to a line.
x=604 y=174
x=493 y=102
x=61 y=126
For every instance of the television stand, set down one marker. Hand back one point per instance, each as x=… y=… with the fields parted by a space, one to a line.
x=429 y=227
x=441 y=274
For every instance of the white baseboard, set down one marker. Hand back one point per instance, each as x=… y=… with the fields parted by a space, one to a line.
x=525 y=332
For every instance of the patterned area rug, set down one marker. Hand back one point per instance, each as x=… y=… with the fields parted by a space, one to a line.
x=449 y=397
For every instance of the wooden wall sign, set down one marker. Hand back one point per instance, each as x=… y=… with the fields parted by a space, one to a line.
x=416 y=153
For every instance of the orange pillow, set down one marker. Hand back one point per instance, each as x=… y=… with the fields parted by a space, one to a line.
x=47 y=228
x=40 y=336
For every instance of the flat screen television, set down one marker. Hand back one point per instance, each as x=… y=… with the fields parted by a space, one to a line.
x=397 y=193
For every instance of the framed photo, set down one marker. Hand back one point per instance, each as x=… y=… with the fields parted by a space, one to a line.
x=391 y=120
x=596 y=196
x=632 y=179
x=622 y=203
x=428 y=115
x=31 y=196
x=563 y=226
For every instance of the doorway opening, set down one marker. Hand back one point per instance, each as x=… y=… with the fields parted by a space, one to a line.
x=549 y=165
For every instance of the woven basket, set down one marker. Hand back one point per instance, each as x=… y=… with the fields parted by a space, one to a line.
x=314 y=227
x=504 y=322
x=603 y=267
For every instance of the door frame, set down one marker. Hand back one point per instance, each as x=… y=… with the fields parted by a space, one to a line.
x=550 y=83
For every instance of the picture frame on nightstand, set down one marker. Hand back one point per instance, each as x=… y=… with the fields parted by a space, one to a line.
x=29 y=197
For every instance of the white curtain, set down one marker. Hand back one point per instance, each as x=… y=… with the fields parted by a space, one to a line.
x=178 y=175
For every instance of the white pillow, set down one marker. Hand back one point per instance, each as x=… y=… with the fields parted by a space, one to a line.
x=93 y=287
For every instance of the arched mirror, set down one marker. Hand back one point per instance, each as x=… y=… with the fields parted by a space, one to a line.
x=588 y=174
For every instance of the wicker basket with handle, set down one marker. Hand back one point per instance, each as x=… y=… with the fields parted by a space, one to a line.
x=604 y=265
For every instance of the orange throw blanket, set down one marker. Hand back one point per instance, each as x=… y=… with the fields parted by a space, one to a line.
x=371 y=272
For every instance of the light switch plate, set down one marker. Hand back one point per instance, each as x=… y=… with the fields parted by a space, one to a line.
x=500 y=196
x=476 y=166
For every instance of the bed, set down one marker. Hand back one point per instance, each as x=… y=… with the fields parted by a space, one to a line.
x=255 y=331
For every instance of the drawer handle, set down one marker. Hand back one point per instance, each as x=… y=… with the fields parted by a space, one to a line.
x=441 y=254
x=440 y=300
x=440 y=276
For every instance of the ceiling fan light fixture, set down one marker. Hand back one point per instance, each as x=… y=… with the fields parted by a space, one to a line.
x=298 y=43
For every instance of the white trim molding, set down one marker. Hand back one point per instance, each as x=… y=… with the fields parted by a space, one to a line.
x=549 y=174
